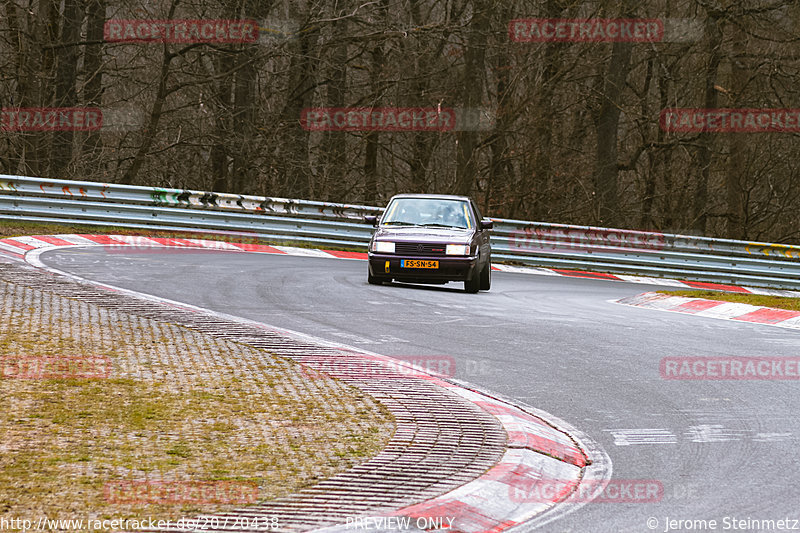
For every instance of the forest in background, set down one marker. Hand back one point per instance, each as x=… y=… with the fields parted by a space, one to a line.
x=566 y=132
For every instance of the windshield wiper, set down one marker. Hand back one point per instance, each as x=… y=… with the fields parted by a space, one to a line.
x=399 y=223
x=434 y=225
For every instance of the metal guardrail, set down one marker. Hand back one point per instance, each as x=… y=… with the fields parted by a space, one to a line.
x=639 y=253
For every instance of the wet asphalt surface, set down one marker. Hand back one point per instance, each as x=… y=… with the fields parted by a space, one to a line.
x=721 y=450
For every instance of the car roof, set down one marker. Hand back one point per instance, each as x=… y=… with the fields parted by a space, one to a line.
x=432 y=196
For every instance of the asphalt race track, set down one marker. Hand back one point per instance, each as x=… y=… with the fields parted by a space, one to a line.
x=720 y=449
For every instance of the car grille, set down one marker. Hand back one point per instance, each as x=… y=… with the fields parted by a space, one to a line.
x=406 y=248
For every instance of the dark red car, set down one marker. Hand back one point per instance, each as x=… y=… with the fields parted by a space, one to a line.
x=431 y=238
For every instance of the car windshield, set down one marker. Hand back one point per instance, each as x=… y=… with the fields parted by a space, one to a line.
x=428 y=212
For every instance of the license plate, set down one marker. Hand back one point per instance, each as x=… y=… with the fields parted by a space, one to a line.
x=418 y=263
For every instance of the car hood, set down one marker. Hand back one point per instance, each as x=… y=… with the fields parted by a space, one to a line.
x=416 y=234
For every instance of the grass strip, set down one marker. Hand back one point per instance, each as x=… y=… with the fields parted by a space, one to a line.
x=779 y=302
x=174 y=411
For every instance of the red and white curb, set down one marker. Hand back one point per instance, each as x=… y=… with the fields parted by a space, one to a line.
x=540 y=448
x=536 y=452
x=754 y=314
x=515 y=490
x=666 y=282
x=16 y=247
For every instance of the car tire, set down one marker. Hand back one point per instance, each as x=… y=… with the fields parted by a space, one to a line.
x=473 y=285
x=486 y=277
x=373 y=280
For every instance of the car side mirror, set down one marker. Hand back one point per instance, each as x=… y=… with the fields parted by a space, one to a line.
x=487 y=224
x=371 y=219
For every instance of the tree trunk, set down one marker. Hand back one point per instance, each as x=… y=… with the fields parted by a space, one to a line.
x=221 y=138
x=151 y=129
x=607 y=125
x=541 y=177
x=736 y=176
x=12 y=159
x=474 y=79
x=372 y=138
x=371 y=194
x=335 y=144
x=93 y=69
x=40 y=88
x=295 y=164
x=244 y=116
x=706 y=139
x=500 y=168
x=66 y=75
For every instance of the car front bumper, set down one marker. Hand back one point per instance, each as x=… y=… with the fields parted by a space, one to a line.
x=451 y=268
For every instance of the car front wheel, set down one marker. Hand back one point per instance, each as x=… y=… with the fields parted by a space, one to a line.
x=473 y=285
x=486 y=277
x=373 y=280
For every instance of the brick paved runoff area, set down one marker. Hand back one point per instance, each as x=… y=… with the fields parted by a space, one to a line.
x=113 y=406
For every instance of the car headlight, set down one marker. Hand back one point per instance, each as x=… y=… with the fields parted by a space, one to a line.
x=457 y=249
x=383 y=247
